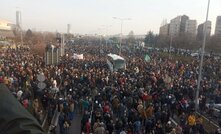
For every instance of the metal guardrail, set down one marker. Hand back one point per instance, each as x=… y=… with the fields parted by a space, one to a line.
x=210 y=126
x=54 y=122
x=173 y=121
x=45 y=119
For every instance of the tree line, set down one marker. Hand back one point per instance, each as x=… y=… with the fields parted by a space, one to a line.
x=182 y=41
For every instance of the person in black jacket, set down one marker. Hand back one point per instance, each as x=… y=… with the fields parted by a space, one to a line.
x=14 y=119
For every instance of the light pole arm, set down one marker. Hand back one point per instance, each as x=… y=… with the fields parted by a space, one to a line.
x=121 y=30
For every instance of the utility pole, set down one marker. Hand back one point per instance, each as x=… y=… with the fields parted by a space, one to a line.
x=171 y=41
x=121 y=20
x=106 y=28
x=21 y=30
x=19 y=24
x=100 y=36
x=201 y=60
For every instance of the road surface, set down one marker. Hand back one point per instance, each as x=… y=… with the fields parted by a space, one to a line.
x=75 y=125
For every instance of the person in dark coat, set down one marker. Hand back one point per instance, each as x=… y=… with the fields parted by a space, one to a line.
x=14 y=119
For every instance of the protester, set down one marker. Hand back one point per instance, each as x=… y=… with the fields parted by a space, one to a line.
x=139 y=99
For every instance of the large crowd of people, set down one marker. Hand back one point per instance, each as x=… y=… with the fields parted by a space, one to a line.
x=139 y=99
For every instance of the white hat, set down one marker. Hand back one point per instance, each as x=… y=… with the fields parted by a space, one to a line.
x=19 y=93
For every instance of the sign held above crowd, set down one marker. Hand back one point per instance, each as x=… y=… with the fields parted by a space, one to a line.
x=78 y=56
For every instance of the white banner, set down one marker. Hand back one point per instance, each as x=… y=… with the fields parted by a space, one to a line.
x=78 y=56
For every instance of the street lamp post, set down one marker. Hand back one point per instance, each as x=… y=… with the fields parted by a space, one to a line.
x=201 y=60
x=20 y=28
x=100 y=36
x=171 y=41
x=122 y=20
x=19 y=24
x=106 y=28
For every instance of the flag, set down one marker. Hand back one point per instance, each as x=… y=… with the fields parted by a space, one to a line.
x=147 y=58
x=117 y=45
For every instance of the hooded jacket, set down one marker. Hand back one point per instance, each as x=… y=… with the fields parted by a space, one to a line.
x=14 y=118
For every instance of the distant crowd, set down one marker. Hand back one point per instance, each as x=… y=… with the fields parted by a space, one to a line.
x=144 y=98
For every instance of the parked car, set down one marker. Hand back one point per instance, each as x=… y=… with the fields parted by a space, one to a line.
x=194 y=54
x=214 y=109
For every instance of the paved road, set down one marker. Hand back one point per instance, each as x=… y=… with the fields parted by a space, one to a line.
x=75 y=125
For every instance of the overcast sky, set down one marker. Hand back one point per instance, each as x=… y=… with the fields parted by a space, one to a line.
x=88 y=16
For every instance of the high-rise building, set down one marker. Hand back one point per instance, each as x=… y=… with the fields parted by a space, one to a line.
x=164 y=30
x=218 y=26
x=190 y=27
x=68 y=28
x=18 y=19
x=200 y=30
x=183 y=21
x=175 y=26
x=178 y=25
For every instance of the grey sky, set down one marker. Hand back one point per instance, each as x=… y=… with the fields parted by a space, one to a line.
x=87 y=16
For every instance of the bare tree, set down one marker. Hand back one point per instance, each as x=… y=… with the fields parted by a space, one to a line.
x=214 y=44
x=131 y=39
